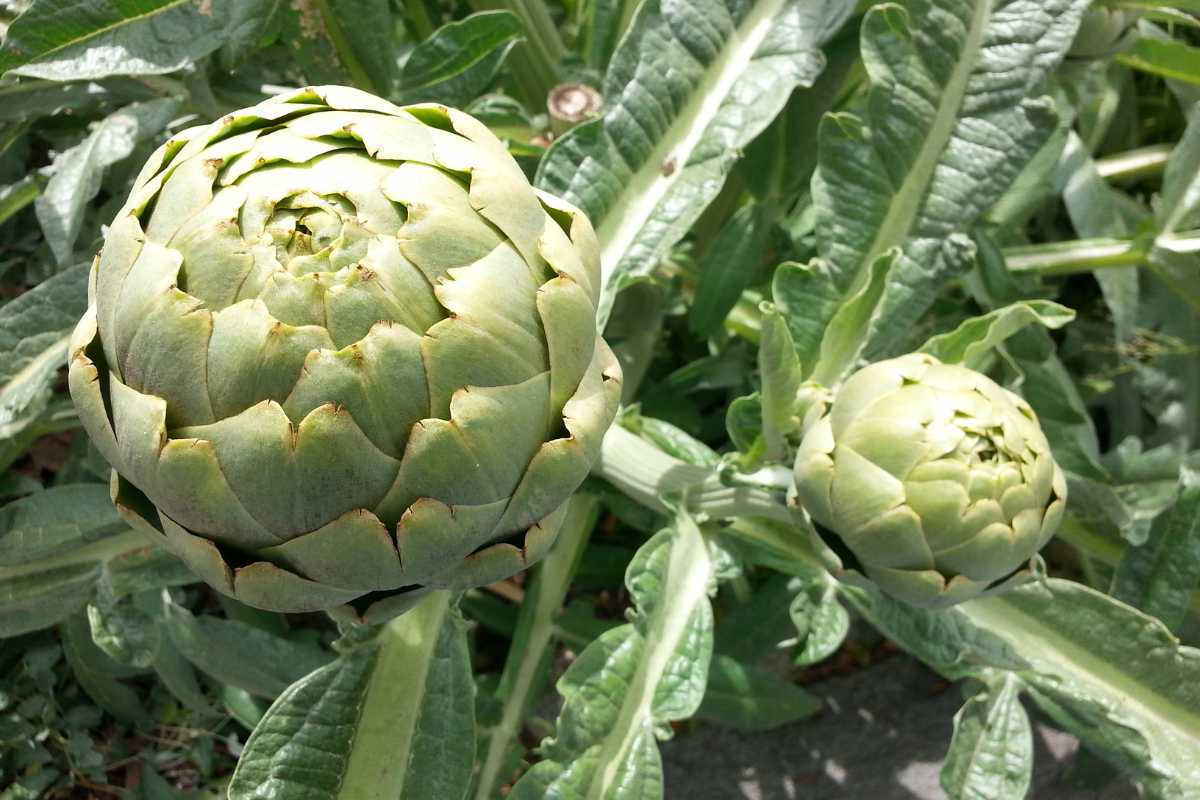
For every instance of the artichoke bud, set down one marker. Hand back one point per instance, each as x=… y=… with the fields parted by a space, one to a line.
x=340 y=353
x=939 y=482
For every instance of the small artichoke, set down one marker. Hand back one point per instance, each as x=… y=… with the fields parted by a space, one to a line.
x=938 y=481
x=340 y=352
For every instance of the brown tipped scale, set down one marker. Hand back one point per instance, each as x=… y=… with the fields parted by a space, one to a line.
x=938 y=480
x=340 y=352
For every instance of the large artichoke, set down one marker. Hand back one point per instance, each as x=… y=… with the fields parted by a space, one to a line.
x=938 y=481
x=340 y=352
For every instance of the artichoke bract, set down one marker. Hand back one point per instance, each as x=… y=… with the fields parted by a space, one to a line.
x=340 y=352
x=939 y=481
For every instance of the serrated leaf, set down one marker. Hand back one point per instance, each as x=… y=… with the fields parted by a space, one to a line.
x=1160 y=576
x=690 y=84
x=821 y=621
x=34 y=329
x=633 y=680
x=972 y=342
x=1105 y=672
x=949 y=124
x=78 y=170
x=991 y=754
x=393 y=717
x=61 y=40
x=460 y=59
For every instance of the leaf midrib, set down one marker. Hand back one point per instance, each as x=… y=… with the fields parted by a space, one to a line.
x=688 y=572
x=648 y=186
x=997 y=615
x=907 y=202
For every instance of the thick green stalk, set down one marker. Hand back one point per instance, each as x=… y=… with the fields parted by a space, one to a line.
x=1134 y=164
x=1085 y=255
x=531 y=645
x=645 y=473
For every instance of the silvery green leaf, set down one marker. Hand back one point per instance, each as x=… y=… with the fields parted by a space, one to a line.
x=690 y=84
x=392 y=717
x=56 y=546
x=949 y=122
x=124 y=632
x=76 y=172
x=55 y=40
x=34 y=329
x=627 y=685
x=1160 y=576
x=1111 y=675
x=991 y=754
x=820 y=619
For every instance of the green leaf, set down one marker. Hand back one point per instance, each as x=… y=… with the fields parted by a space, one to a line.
x=821 y=621
x=1105 y=672
x=972 y=342
x=729 y=266
x=460 y=59
x=1179 y=202
x=1169 y=58
x=363 y=33
x=124 y=632
x=1160 y=576
x=17 y=196
x=781 y=377
x=991 y=754
x=846 y=335
x=747 y=698
x=249 y=21
x=239 y=654
x=77 y=170
x=949 y=125
x=684 y=93
x=64 y=41
x=34 y=329
x=98 y=674
x=56 y=546
x=601 y=26
x=392 y=717
x=628 y=684
x=758 y=626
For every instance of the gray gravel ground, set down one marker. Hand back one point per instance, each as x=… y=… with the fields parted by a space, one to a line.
x=882 y=736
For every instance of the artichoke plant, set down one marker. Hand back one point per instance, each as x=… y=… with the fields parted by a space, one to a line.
x=939 y=481
x=340 y=352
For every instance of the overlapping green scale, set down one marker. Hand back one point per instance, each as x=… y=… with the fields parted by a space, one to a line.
x=939 y=481
x=340 y=352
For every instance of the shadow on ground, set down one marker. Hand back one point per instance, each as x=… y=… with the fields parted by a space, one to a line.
x=882 y=736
